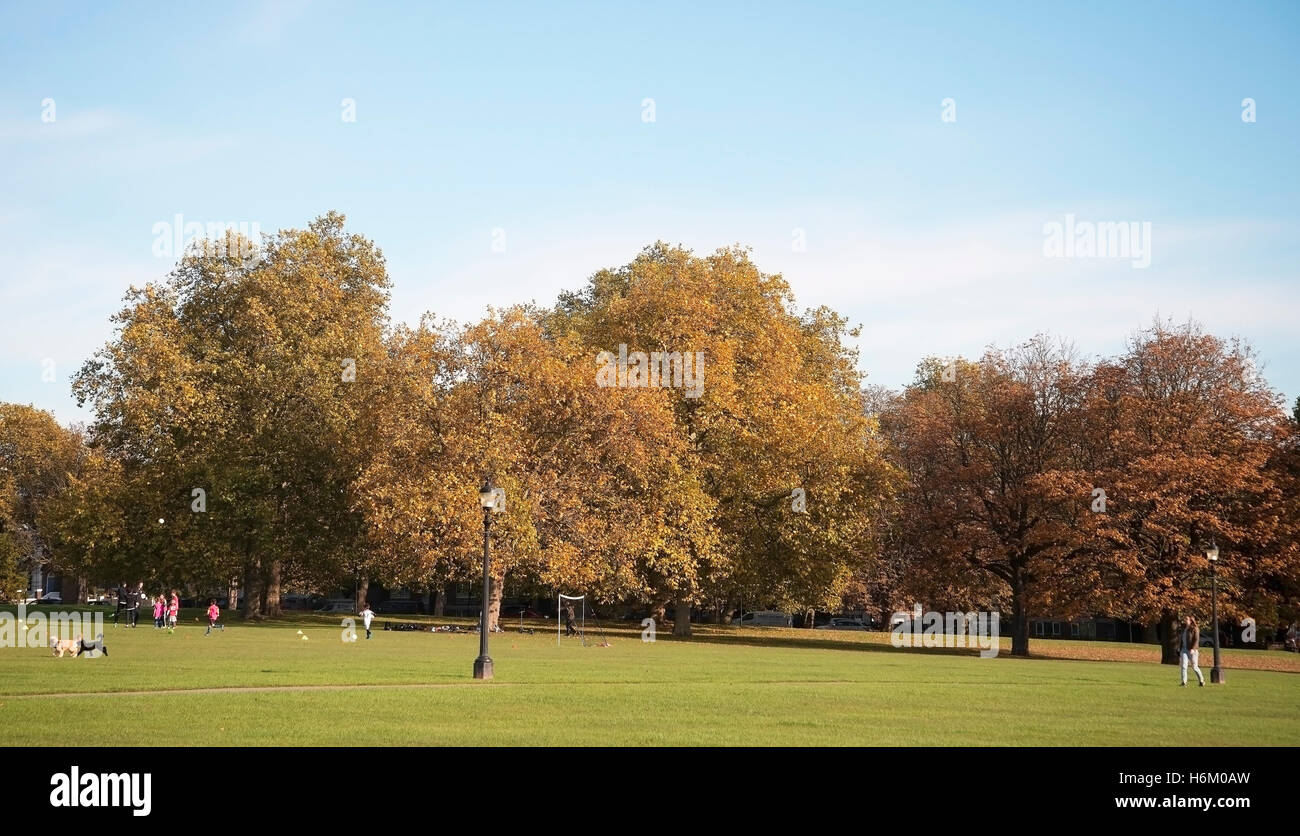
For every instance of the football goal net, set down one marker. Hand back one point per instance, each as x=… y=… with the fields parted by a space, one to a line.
x=571 y=612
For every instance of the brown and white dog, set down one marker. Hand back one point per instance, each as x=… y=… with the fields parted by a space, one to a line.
x=61 y=646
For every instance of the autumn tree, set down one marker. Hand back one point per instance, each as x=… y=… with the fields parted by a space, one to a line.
x=13 y=580
x=1265 y=583
x=593 y=484
x=1183 y=435
x=994 y=492
x=38 y=457
x=85 y=526
x=778 y=408
x=415 y=488
x=237 y=377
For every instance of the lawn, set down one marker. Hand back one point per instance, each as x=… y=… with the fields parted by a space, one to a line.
x=265 y=685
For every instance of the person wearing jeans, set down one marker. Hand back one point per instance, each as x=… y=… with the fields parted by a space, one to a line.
x=1189 y=649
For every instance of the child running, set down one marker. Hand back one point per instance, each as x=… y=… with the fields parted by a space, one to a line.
x=173 y=610
x=366 y=615
x=214 y=614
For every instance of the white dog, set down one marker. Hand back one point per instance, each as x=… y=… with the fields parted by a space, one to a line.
x=60 y=646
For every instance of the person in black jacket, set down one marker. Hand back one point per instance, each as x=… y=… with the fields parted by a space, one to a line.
x=136 y=598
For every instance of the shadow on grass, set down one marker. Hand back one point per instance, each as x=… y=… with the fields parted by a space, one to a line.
x=1128 y=652
x=701 y=634
x=777 y=638
x=734 y=637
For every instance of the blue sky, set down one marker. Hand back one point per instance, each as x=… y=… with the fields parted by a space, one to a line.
x=768 y=119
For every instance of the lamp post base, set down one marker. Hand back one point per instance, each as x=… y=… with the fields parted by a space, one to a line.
x=483 y=668
x=1216 y=676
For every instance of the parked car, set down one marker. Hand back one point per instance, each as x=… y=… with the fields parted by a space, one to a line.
x=845 y=624
x=906 y=624
x=1207 y=640
x=516 y=611
x=409 y=607
x=47 y=598
x=300 y=601
x=763 y=618
x=339 y=605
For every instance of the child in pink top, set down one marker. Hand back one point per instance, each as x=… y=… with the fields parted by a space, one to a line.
x=214 y=613
x=173 y=610
x=158 y=608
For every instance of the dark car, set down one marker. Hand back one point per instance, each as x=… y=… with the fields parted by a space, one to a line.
x=517 y=611
x=408 y=607
x=846 y=624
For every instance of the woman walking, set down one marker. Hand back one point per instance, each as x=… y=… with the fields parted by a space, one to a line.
x=1190 y=650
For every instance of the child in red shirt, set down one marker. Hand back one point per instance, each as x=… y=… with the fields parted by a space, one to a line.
x=173 y=610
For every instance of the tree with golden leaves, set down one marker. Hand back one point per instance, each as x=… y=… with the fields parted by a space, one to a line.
x=775 y=407
x=593 y=486
x=243 y=377
x=38 y=458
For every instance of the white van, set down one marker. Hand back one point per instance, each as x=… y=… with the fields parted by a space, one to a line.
x=763 y=618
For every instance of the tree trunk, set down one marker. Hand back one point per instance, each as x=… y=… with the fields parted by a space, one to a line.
x=252 y=584
x=232 y=598
x=363 y=591
x=1019 y=617
x=809 y=617
x=440 y=602
x=78 y=590
x=252 y=590
x=682 y=617
x=271 y=609
x=495 y=590
x=1170 y=639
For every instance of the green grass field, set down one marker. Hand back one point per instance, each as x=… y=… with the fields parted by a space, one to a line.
x=264 y=685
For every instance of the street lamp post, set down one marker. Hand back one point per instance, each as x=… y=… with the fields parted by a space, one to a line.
x=487 y=499
x=1212 y=554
